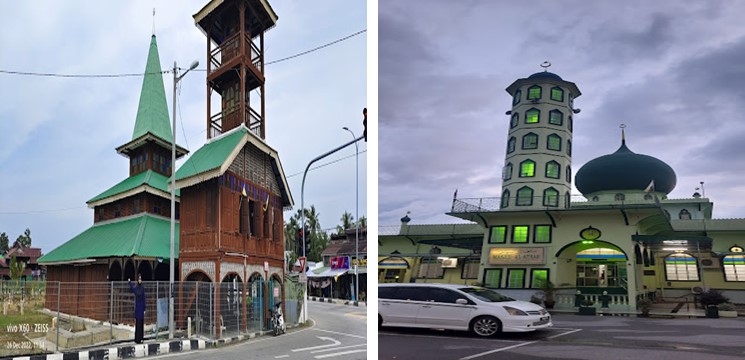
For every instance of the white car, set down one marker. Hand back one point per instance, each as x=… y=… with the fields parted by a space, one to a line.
x=457 y=307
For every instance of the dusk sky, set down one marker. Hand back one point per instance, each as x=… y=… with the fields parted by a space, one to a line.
x=58 y=135
x=671 y=71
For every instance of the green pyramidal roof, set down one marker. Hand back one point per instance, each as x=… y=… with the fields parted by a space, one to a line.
x=152 y=113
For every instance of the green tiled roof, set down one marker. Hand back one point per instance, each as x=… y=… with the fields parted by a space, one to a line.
x=141 y=235
x=149 y=177
x=211 y=156
x=152 y=113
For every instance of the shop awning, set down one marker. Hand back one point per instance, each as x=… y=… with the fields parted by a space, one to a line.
x=325 y=272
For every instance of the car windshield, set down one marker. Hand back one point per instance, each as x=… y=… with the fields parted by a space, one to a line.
x=486 y=294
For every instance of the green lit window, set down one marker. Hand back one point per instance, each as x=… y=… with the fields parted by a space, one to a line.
x=527 y=168
x=530 y=141
x=534 y=92
x=569 y=147
x=498 y=235
x=553 y=142
x=516 y=98
x=555 y=117
x=557 y=94
x=505 y=201
x=511 y=145
x=515 y=278
x=553 y=169
x=734 y=267
x=507 y=172
x=492 y=278
x=520 y=234
x=524 y=196
x=569 y=174
x=542 y=234
x=514 y=121
x=550 y=197
x=569 y=123
x=538 y=278
x=531 y=116
x=681 y=267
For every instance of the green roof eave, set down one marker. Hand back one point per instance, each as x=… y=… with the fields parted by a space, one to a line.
x=127 y=148
x=142 y=235
x=147 y=178
x=212 y=155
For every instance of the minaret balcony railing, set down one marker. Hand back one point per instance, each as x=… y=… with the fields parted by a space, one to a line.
x=231 y=49
x=226 y=120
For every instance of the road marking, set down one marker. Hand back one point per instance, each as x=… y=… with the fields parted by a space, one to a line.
x=562 y=334
x=336 y=342
x=340 y=353
x=337 y=348
x=338 y=333
x=281 y=356
x=515 y=346
x=442 y=336
x=360 y=315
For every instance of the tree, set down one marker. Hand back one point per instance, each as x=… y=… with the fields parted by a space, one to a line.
x=4 y=243
x=317 y=238
x=25 y=239
x=16 y=269
x=346 y=223
x=363 y=221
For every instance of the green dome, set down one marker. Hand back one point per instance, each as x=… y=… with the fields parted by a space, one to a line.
x=625 y=170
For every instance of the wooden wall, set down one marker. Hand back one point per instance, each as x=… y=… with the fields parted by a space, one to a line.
x=83 y=291
x=142 y=202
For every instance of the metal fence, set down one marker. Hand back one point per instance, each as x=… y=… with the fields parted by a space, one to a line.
x=83 y=314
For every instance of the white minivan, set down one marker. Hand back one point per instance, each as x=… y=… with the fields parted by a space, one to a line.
x=457 y=307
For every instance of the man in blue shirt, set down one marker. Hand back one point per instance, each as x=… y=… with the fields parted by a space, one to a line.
x=139 y=292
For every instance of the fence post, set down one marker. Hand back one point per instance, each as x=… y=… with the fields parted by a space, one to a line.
x=212 y=315
x=111 y=312
x=59 y=286
x=197 y=327
x=157 y=329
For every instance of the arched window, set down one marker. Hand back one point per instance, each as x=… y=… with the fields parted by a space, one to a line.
x=620 y=197
x=550 y=197
x=647 y=197
x=571 y=101
x=681 y=267
x=505 y=202
x=516 y=98
x=553 y=142
x=684 y=215
x=553 y=169
x=557 y=94
x=734 y=267
x=555 y=117
x=569 y=174
x=534 y=92
x=595 y=198
x=514 y=120
x=567 y=200
x=569 y=123
x=524 y=196
x=507 y=172
x=532 y=116
x=569 y=147
x=511 y=145
x=527 y=168
x=530 y=141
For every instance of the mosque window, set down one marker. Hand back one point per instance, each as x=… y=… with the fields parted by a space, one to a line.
x=532 y=116
x=684 y=215
x=553 y=142
x=515 y=278
x=511 y=145
x=734 y=267
x=569 y=147
x=431 y=269
x=569 y=123
x=595 y=198
x=524 y=196
x=550 y=197
x=470 y=269
x=647 y=197
x=681 y=267
x=520 y=234
x=555 y=117
x=567 y=200
x=507 y=172
x=571 y=101
x=553 y=169
x=498 y=234
x=516 y=98
x=527 y=169
x=514 y=121
x=538 y=278
x=569 y=174
x=492 y=278
x=542 y=234
x=530 y=141
x=534 y=92
x=505 y=201
x=620 y=197
x=557 y=94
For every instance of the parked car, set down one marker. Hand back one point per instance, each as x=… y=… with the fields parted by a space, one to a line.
x=483 y=311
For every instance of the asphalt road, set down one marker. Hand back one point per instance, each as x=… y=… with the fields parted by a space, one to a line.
x=578 y=337
x=339 y=333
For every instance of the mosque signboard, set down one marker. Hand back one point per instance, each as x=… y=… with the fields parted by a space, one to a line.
x=517 y=256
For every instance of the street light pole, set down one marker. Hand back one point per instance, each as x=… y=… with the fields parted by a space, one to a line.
x=172 y=261
x=357 y=218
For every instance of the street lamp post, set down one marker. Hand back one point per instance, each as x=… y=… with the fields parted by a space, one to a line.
x=176 y=79
x=357 y=218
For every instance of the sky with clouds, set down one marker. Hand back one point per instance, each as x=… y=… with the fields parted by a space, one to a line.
x=671 y=71
x=58 y=135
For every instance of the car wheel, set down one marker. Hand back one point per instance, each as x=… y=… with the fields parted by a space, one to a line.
x=486 y=326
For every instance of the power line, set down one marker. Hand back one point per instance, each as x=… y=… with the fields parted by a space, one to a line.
x=317 y=48
x=326 y=164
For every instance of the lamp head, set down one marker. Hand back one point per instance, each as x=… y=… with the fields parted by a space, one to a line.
x=345 y=128
x=194 y=65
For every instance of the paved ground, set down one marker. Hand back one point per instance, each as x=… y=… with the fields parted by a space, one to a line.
x=579 y=337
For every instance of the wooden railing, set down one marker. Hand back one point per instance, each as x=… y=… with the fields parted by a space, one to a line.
x=230 y=48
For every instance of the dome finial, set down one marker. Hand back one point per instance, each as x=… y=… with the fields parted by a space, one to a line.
x=545 y=65
x=623 y=134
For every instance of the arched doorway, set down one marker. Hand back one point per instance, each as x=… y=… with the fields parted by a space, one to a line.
x=115 y=271
x=129 y=271
x=163 y=272
x=196 y=293
x=255 y=302
x=275 y=291
x=231 y=303
x=145 y=270
x=593 y=266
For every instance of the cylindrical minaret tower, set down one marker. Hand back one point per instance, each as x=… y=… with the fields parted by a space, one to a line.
x=537 y=170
